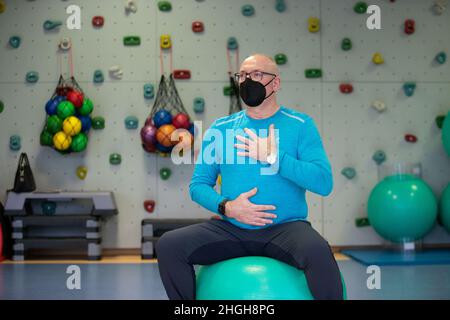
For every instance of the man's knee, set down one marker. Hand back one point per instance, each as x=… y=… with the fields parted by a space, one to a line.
x=169 y=244
x=317 y=250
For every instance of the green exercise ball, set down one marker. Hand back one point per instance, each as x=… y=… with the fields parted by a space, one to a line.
x=445 y=208
x=402 y=208
x=252 y=278
x=446 y=133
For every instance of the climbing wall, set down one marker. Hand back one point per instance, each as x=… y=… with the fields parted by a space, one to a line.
x=351 y=129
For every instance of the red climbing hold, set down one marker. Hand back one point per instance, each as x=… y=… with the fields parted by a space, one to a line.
x=409 y=26
x=346 y=88
x=181 y=74
x=149 y=205
x=98 y=21
x=410 y=138
x=197 y=26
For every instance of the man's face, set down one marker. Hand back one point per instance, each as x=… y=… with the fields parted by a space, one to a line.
x=258 y=69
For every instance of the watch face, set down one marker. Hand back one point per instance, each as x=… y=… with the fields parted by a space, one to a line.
x=271 y=159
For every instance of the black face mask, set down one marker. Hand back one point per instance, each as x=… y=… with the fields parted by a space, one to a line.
x=253 y=93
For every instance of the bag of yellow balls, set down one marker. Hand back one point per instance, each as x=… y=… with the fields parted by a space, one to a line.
x=68 y=119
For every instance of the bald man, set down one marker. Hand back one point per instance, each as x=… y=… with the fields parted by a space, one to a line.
x=268 y=156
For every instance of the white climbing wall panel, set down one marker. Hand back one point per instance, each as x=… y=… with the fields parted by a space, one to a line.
x=351 y=130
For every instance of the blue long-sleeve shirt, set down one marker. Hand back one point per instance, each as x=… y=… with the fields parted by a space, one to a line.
x=302 y=165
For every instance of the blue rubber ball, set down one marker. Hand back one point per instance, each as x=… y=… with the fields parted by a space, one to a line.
x=162 y=148
x=52 y=104
x=161 y=118
x=86 y=123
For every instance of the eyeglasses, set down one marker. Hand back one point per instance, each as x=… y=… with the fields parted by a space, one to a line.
x=254 y=75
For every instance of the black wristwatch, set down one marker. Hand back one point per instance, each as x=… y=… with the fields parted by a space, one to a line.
x=221 y=208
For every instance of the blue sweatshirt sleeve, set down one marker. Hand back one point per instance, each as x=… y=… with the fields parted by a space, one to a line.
x=205 y=174
x=311 y=169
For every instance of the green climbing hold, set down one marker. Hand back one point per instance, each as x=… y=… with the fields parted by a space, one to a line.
x=165 y=173
x=115 y=159
x=280 y=58
x=2 y=106
x=313 y=73
x=440 y=121
x=360 y=7
x=131 y=41
x=164 y=6
x=362 y=222
x=441 y=57
x=346 y=44
x=98 y=123
x=227 y=91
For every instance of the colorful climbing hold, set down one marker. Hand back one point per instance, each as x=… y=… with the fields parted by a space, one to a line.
x=181 y=74
x=227 y=90
x=198 y=26
x=149 y=205
x=14 y=41
x=313 y=24
x=164 y=6
x=15 y=142
x=52 y=24
x=440 y=121
x=346 y=44
x=82 y=172
x=232 y=43
x=98 y=76
x=165 y=41
x=377 y=58
x=32 y=77
x=280 y=58
x=165 y=173
x=280 y=5
x=199 y=105
x=362 y=222
x=131 y=41
x=441 y=57
x=130 y=6
x=346 y=88
x=131 y=122
x=379 y=105
x=410 y=138
x=2 y=6
x=115 y=159
x=98 y=21
x=2 y=106
x=379 y=157
x=348 y=172
x=409 y=88
x=360 y=7
x=149 y=91
x=313 y=73
x=410 y=26
x=98 y=123
x=248 y=10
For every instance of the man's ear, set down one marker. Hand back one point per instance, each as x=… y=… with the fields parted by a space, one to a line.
x=276 y=84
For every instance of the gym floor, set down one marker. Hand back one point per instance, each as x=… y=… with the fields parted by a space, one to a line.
x=129 y=277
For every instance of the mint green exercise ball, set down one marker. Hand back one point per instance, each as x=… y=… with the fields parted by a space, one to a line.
x=446 y=133
x=402 y=208
x=445 y=208
x=252 y=278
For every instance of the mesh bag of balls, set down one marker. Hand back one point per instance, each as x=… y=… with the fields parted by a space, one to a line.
x=163 y=130
x=68 y=119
